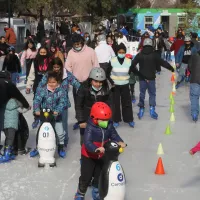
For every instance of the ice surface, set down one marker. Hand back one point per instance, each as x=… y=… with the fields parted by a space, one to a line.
x=23 y=180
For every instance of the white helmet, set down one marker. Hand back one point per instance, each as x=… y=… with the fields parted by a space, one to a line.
x=97 y=74
x=187 y=39
x=148 y=42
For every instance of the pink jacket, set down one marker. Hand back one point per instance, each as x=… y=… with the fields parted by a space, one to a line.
x=81 y=63
x=196 y=148
x=28 y=54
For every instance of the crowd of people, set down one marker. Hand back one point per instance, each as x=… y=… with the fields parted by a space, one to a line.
x=100 y=70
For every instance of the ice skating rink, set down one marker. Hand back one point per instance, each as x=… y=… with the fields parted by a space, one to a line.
x=21 y=179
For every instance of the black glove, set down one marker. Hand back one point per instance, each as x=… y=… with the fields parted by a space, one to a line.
x=172 y=70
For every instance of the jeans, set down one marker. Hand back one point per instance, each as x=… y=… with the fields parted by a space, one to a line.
x=168 y=55
x=194 y=98
x=65 y=124
x=181 y=72
x=60 y=132
x=151 y=86
x=14 y=77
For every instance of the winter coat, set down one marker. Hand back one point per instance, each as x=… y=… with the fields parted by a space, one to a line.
x=86 y=97
x=11 y=116
x=95 y=137
x=193 y=66
x=80 y=63
x=149 y=62
x=12 y=64
x=180 y=54
x=69 y=79
x=10 y=36
x=36 y=75
x=56 y=100
x=9 y=90
x=161 y=44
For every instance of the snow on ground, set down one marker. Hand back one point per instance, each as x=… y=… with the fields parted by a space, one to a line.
x=23 y=180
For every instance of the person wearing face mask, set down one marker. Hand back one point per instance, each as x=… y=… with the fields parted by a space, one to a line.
x=94 y=89
x=118 y=75
x=104 y=52
x=38 y=69
x=144 y=36
x=158 y=43
x=182 y=59
x=122 y=39
x=88 y=41
x=55 y=53
x=81 y=59
x=28 y=56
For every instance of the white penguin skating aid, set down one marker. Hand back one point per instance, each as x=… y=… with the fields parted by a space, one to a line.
x=46 y=141
x=112 y=180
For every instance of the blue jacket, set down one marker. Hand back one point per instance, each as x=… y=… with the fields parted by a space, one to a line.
x=69 y=80
x=95 y=137
x=56 y=101
x=179 y=55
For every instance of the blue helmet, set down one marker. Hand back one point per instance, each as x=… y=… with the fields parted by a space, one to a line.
x=11 y=48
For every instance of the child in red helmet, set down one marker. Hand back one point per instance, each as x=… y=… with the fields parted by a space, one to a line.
x=99 y=130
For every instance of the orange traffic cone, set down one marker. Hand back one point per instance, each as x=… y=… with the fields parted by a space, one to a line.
x=160 y=169
x=172 y=78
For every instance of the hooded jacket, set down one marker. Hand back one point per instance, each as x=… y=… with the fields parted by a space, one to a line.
x=149 y=62
x=95 y=137
x=10 y=36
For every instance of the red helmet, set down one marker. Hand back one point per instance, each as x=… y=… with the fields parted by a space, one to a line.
x=100 y=111
x=129 y=56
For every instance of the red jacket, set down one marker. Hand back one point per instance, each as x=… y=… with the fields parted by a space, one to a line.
x=196 y=148
x=176 y=46
x=10 y=36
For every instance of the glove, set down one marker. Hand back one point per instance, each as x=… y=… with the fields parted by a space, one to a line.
x=172 y=70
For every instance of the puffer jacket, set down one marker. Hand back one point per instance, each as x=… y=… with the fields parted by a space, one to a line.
x=55 y=101
x=68 y=79
x=95 y=137
x=11 y=116
x=86 y=97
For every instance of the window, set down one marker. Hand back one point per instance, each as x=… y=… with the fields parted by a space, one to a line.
x=148 y=21
x=181 y=21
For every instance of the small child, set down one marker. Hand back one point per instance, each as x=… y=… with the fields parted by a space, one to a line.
x=52 y=97
x=11 y=121
x=99 y=130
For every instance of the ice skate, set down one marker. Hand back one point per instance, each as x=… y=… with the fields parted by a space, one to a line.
x=141 y=113
x=153 y=114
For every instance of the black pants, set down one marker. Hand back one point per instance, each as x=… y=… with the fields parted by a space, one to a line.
x=28 y=66
x=89 y=168
x=10 y=136
x=104 y=66
x=132 y=89
x=82 y=130
x=122 y=99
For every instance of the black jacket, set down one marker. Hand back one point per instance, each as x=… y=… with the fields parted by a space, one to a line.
x=149 y=62
x=12 y=64
x=4 y=49
x=8 y=90
x=86 y=97
x=194 y=68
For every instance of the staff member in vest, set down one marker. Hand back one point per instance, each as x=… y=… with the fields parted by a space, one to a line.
x=119 y=76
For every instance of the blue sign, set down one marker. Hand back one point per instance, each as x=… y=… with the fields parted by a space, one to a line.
x=118 y=168
x=120 y=177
